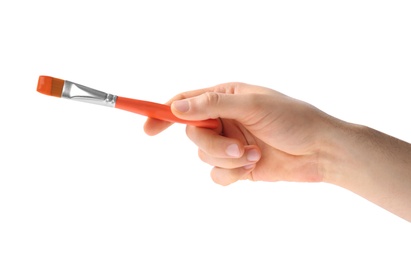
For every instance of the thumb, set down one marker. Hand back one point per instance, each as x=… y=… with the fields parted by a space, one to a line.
x=214 y=105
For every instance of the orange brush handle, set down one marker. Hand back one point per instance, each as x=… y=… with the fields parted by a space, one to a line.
x=159 y=111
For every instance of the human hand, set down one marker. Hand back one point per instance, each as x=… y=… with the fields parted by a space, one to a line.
x=264 y=135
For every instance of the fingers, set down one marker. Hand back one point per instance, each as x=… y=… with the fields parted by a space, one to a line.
x=214 y=144
x=213 y=102
x=154 y=126
x=250 y=157
x=231 y=157
x=228 y=176
x=215 y=105
x=237 y=101
x=223 y=151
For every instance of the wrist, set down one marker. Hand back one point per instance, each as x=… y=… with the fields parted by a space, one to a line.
x=337 y=153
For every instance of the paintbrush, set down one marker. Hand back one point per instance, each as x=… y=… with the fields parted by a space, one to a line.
x=66 y=89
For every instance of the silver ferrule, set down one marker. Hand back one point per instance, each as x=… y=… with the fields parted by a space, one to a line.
x=82 y=93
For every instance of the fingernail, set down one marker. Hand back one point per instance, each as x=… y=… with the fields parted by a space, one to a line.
x=253 y=155
x=233 y=150
x=181 y=105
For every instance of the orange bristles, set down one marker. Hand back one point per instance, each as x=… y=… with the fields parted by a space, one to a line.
x=50 y=86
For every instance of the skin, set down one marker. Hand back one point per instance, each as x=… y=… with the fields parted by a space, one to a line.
x=267 y=136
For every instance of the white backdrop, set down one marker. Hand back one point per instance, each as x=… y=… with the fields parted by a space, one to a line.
x=79 y=181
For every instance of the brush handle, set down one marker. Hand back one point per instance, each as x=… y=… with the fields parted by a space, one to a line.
x=159 y=111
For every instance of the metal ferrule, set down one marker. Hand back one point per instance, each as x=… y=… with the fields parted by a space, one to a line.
x=82 y=93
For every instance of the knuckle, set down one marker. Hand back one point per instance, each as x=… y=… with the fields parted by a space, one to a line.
x=211 y=98
x=202 y=155
x=211 y=102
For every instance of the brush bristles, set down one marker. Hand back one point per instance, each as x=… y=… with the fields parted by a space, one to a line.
x=50 y=86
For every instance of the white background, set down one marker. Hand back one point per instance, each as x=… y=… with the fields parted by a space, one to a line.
x=79 y=181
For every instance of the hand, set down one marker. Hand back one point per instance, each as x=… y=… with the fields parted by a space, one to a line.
x=264 y=135
x=267 y=136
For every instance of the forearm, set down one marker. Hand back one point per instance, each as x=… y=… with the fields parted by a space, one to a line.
x=371 y=164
